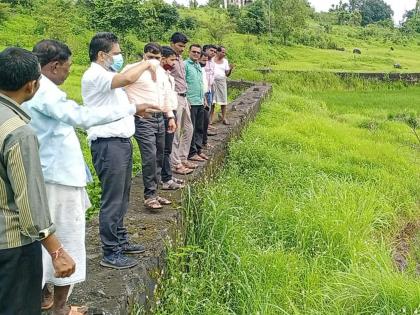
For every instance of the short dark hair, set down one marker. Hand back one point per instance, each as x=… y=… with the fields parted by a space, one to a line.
x=208 y=46
x=49 y=50
x=219 y=49
x=18 y=67
x=153 y=48
x=167 y=52
x=179 y=38
x=203 y=53
x=102 y=41
x=195 y=45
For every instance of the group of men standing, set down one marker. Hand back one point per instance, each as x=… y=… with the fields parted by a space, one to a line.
x=166 y=103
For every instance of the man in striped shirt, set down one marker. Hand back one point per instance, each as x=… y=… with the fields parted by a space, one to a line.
x=24 y=215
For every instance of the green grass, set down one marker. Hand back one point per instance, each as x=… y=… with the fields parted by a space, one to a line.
x=302 y=218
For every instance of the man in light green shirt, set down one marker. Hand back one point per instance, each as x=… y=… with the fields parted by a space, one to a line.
x=195 y=96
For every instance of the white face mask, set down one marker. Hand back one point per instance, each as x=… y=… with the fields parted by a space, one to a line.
x=154 y=62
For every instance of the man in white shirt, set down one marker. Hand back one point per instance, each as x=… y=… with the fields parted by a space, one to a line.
x=150 y=128
x=53 y=118
x=221 y=71
x=111 y=146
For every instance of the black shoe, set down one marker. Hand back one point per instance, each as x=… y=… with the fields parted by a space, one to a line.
x=133 y=249
x=118 y=261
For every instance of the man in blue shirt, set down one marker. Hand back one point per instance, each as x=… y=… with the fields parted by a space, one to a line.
x=53 y=119
x=195 y=96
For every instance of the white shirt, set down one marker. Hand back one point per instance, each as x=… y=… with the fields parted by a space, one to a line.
x=53 y=117
x=220 y=69
x=97 y=93
x=147 y=91
x=170 y=88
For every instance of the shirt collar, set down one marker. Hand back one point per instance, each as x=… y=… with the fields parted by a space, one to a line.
x=14 y=107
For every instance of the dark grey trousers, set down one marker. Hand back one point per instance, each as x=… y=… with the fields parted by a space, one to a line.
x=113 y=162
x=197 y=118
x=150 y=136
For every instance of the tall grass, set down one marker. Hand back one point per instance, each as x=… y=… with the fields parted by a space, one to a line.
x=302 y=217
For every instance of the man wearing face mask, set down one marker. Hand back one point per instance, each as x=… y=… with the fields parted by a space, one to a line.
x=53 y=117
x=111 y=147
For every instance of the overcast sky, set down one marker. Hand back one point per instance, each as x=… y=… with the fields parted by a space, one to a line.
x=398 y=6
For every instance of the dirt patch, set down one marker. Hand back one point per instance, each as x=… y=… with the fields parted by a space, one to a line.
x=403 y=246
x=108 y=291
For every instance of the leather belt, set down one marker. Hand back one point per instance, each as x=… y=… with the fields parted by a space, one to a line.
x=182 y=94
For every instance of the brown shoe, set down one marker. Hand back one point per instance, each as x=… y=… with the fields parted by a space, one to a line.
x=189 y=165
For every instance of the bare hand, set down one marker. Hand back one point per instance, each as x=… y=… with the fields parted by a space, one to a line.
x=171 y=126
x=64 y=265
x=142 y=108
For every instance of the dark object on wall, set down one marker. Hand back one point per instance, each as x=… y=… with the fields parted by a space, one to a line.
x=357 y=51
x=397 y=66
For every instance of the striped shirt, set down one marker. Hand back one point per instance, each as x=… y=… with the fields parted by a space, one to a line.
x=24 y=213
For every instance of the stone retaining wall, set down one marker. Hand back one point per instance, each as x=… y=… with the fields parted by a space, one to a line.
x=113 y=292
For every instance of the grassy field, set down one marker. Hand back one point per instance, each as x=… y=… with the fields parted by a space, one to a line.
x=303 y=217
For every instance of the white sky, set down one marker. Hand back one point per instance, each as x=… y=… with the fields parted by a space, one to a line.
x=398 y=6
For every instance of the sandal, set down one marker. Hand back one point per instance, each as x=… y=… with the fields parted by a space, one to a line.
x=196 y=158
x=178 y=180
x=203 y=156
x=78 y=310
x=182 y=170
x=163 y=201
x=226 y=122
x=152 y=204
x=190 y=165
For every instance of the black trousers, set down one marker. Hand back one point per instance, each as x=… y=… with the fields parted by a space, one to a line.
x=197 y=118
x=150 y=136
x=21 y=280
x=166 y=174
x=206 y=122
x=113 y=162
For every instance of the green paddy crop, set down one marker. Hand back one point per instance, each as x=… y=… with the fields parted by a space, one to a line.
x=303 y=216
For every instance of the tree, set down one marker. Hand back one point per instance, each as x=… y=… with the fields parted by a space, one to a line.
x=374 y=11
x=216 y=32
x=253 y=19
x=287 y=16
x=119 y=16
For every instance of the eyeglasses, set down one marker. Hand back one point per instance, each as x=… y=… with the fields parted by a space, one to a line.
x=195 y=52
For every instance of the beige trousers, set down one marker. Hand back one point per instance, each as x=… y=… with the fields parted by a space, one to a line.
x=184 y=132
